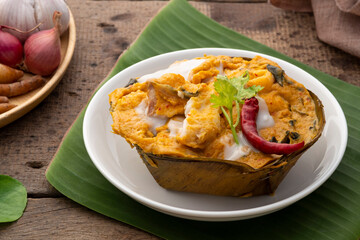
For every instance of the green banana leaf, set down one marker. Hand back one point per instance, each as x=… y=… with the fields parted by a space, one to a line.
x=331 y=212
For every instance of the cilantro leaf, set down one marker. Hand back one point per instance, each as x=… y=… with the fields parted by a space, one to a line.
x=230 y=90
x=226 y=93
x=244 y=93
x=239 y=82
x=250 y=92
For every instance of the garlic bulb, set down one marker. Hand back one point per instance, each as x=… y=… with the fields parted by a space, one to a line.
x=44 y=9
x=18 y=14
x=26 y=14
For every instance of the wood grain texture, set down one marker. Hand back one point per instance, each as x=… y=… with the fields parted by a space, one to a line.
x=60 y=218
x=104 y=30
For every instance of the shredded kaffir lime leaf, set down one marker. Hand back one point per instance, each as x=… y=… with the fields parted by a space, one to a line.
x=230 y=91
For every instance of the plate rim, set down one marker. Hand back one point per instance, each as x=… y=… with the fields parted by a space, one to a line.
x=220 y=215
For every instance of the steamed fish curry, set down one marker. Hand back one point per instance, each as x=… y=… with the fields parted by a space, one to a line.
x=218 y=107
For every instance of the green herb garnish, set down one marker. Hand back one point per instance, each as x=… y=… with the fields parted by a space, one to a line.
x=230 y=91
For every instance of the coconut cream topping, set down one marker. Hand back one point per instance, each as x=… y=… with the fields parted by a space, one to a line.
x=221 y=68
x=264 y=119
x=175 y=125
x=235 y=151
x=153 y=121
x=188 y=107
x=183 y=68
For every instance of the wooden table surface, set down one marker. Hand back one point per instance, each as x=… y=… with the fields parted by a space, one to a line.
x=104 y=30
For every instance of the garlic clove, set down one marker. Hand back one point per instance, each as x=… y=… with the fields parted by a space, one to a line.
x=44 y=10
x=25 y=14
x=18 y=14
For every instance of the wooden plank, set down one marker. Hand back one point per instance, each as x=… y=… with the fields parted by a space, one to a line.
x=60 y=218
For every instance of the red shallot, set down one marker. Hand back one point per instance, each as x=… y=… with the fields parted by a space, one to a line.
x=43 y=49
x=11 y=49
x=249 y=113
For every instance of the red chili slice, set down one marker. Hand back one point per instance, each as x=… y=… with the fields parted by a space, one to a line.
x=249 y=113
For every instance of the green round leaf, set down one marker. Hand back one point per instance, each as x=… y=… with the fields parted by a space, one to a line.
x=13 y=199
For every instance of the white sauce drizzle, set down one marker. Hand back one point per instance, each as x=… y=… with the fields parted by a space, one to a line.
x=264 y=119
x=183 y=129
x=221 y=68
x=153 y=121
x=183 y=68
x=188 y=107
x=175 y=125
x=181 y=94
x=234 y=151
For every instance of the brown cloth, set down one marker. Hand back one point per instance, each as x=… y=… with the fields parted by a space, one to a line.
x=337 y=21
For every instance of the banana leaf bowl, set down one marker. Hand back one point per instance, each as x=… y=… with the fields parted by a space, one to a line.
x=224 y=177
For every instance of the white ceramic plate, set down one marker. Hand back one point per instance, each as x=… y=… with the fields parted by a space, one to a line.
x=123 y=167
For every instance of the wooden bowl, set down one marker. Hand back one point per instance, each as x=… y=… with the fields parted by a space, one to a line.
x=28 y=101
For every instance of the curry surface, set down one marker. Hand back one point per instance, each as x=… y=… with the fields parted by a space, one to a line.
x=171 y=98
